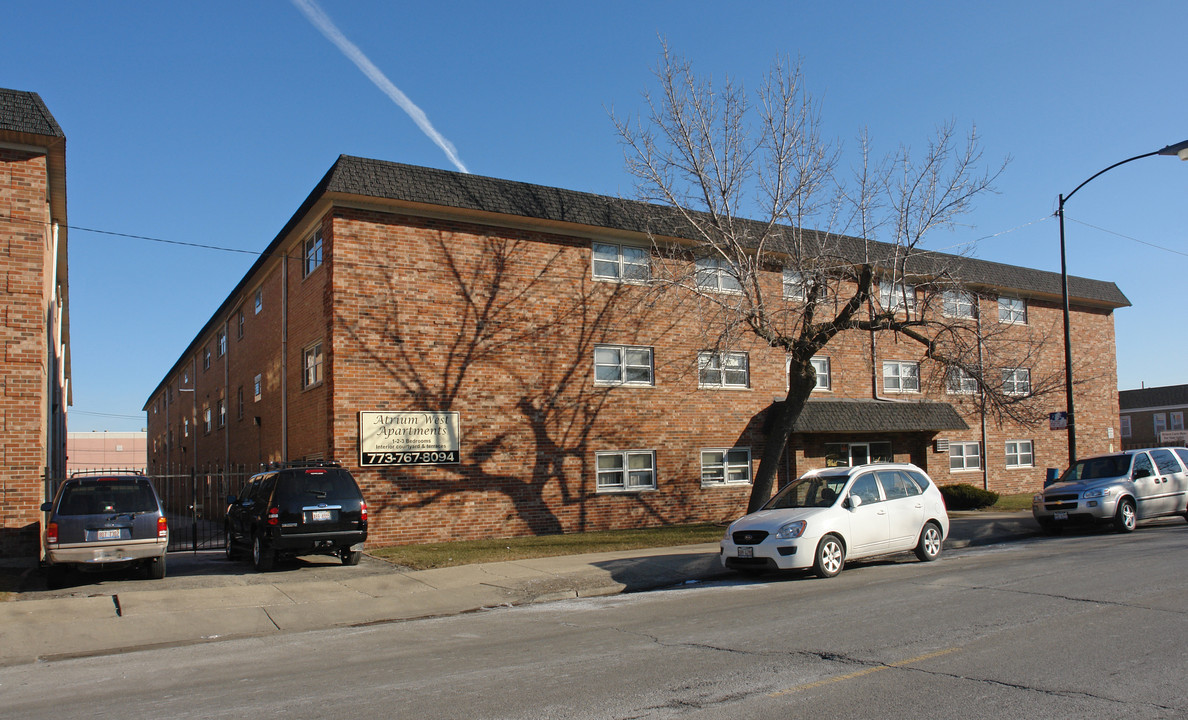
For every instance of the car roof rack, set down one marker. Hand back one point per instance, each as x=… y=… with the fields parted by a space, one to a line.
x=303 y=464
x=109 y=471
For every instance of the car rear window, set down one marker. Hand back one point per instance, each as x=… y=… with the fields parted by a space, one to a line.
x=95 y=497
x=319 y=485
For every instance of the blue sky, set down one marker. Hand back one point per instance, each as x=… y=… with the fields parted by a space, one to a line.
x=210 y=122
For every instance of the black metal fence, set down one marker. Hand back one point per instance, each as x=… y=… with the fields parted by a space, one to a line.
x=195 y=500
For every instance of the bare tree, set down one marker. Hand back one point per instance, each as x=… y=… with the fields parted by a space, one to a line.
x=745 y=176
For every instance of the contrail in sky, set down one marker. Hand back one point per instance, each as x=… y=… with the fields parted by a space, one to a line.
x=327 y=27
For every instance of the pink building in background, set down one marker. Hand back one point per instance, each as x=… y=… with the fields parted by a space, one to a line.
x=106 y=451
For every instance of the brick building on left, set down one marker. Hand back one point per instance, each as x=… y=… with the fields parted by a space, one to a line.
x=35 y=334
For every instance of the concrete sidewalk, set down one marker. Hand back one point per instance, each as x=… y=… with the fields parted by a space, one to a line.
x=207 y=598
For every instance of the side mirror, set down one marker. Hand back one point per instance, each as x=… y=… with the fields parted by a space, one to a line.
x=1142 y=473
x=230 y=499
x=47 y=507
x=855 y=502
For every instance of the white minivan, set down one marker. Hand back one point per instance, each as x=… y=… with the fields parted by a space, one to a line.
x=839 y=513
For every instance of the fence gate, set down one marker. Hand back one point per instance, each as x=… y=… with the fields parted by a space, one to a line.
x=195 y=501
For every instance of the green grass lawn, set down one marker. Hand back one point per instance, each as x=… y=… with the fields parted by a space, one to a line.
x=1012 y=503
x=436 y=555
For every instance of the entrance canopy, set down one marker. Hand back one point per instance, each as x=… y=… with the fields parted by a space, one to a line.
x=877 y=416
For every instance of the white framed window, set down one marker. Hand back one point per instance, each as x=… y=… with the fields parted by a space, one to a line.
x=797 y=286
x=1124 y=425
x=311 y=364
x=239 y=402
x=897 y=296
x=626 y=471
x=718 y=275
x=205 y=358
x=239 y=326
x=958 y=304
x=312 y=253
x=901 y=377
x=221 y=343
x=221 y=411
x=1019 y=454
x=1177 y=420
x=186 y=427
x=965 y=456
x=726 y=466
x=1012 y=310
x=623 y=365
x=1016 y=381
x=1159 y=420
x=824 y=373
x=723 y=369
x=206 y=419
x=960 y=382
x=624 y=263
x=259 y=300
x=258 y=387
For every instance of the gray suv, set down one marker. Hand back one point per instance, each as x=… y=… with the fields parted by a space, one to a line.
x=1120 y=488
x=105 y=521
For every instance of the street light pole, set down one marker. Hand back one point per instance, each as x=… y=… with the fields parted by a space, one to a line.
x=1180 y=150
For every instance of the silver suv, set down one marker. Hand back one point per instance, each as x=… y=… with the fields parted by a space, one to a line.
x=1120 y=488
x=104 y=521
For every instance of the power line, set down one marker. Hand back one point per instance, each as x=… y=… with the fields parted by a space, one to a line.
x=106 y=415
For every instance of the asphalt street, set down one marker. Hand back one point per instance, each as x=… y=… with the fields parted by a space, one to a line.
x=1082 y=625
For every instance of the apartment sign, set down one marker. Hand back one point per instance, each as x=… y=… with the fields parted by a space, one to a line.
x=409 y=438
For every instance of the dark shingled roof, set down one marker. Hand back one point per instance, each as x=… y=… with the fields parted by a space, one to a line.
x=22 y=111
x=857 y=416
x=1166 y=396
x=429 y=186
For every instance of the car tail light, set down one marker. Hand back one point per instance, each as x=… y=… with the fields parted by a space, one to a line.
x=51 y=534
x=162 y=527
x=363 y=512
x=274 y=516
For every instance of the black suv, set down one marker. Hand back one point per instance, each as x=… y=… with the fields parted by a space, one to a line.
x=298 y=509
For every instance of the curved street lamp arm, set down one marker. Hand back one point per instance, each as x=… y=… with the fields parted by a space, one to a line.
x=1180 y=149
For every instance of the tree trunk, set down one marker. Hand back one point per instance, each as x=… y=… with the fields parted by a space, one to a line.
x=784 y=415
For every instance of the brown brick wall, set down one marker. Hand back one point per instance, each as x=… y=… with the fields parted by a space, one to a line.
x=26 y=269
x=500 y=324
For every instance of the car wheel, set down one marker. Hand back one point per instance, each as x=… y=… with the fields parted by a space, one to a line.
x=350 y=557
x=831 y=556
x=228 y=546
x=1126 y=518
x=929 y=546
x=155 y=568
x=262 y=555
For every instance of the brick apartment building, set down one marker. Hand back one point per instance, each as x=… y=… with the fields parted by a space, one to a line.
x=35 y=369
x=499 y=340
x=1150 y=417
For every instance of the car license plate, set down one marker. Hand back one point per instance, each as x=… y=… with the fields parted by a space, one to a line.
x=1060 y=516
x=319 y=515
x=108 y=534
x=746 y=552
